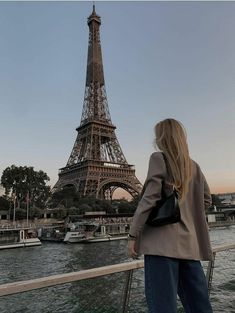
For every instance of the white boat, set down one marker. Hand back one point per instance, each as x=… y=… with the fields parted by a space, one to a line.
x=85 y=232
x=18 y=238
x=78 y=232
x=104 y=238
x=74 y=236
x=108 y=232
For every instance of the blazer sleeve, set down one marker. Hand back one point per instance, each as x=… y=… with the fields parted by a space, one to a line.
x=151 y=194
x=207 y=195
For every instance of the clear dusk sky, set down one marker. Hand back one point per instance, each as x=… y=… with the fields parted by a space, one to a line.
x=161 y=59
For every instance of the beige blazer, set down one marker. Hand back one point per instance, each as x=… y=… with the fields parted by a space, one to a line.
x=188 y=239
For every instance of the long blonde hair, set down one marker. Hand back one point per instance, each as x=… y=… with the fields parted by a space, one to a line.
x=171 y=140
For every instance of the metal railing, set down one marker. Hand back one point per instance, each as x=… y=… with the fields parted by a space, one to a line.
x=127 y=267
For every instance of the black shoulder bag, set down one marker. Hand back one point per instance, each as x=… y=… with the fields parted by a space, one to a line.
x=166 y=211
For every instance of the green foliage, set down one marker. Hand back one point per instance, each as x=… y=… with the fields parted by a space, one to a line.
x=35 y=212
x=68 y=198
x=4 y=203
x=124 y=206
x=61 y=213
x=74 y=211
x=84 y=208
x=20 y=214
x=20 y=181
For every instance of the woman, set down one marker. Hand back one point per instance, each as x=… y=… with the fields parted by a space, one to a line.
x=173 y=252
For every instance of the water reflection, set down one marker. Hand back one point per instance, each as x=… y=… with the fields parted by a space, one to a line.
x=100 y=294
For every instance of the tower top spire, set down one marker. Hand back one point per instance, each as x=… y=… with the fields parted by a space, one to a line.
x=94 y=16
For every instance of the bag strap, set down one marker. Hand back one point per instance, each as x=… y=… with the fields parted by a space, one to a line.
x=163 y=194
x=163 y=182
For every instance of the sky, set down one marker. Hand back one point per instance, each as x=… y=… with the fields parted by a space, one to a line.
x=161 y=60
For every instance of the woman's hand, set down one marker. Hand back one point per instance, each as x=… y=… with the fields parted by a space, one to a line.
x=132 y=249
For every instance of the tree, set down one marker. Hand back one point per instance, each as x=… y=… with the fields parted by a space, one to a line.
x=26 y=184
x=67 y=197
x=4 y=203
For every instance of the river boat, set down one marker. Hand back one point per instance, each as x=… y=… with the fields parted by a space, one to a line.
x=18 y=238
x=85 y=232
x=52 y=233
x=78 y=232
x=109 y=232
x=74 y=236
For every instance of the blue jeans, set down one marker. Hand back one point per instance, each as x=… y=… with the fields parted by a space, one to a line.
x=165 y=277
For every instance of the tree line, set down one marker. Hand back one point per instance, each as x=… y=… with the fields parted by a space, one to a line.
x=25 y=186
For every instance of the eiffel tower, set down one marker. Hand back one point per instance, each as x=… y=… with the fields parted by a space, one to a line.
x=97 y=165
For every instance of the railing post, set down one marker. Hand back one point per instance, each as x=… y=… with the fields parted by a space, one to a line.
x=209 y=273
x=126 y=292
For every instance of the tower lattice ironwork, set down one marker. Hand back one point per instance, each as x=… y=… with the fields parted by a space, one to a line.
x=97 y=165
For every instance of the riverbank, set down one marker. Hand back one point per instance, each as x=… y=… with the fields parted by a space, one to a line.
x=37 y=223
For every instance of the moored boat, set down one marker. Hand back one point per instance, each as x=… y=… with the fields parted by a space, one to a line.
x=108 y=232
x=74 y=236
x=78 y=232
x=85 y=232
x=52 y=233
x=18 y=238
x=104 y=238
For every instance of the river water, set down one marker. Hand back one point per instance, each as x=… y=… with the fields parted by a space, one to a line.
x=100 y=295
